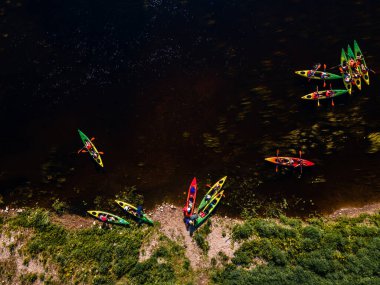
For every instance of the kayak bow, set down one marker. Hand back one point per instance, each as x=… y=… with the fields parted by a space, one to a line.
x=208 y=209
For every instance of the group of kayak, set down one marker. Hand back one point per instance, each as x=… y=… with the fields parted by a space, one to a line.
x=206 y=207
x=193 y=219
x=352 y=69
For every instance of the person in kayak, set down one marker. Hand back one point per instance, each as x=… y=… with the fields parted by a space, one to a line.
x=103 y=218
x=329 y=93
x=315 y=95
x=324 y=75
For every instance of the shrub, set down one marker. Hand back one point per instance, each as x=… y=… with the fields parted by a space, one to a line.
x=201 y=242
x=313 y=233
x=243 y=231
x=60 y=207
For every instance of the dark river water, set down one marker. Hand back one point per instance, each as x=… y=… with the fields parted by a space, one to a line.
x=177 y=89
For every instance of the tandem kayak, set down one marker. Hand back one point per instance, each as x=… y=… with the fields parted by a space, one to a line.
x=108 y=218
x=363 y=68
x=322 y=94
x=93 y=152
x=318 y=75
x=132 y=210
x=190 y=201
x=355 y=70
x=343 y=62
x=208 y=209
x=212 y=192
x=289 y=161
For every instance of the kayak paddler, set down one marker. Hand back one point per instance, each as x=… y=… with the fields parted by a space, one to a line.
x=139 y=211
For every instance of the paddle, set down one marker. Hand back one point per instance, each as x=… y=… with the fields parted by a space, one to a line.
x=312 y=72
x=334 y=66
x=277 y=152
x=324 y=77
x=300 y=153
x=318 y=96
x=332 y=96
x=79 y=151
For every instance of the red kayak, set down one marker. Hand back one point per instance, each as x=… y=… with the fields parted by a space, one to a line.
x=189 y=208
x=289 y=161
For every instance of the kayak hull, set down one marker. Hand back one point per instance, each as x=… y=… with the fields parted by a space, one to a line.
x=322 y=94
x=343 y=62
x=133 y=212
x=112 y=219
x=317 y=75
x=85 y=139
x=363 y=71
x=208 y=209
x=351 y=55
x=212 y=192
x=191 y=196
x=289 y=161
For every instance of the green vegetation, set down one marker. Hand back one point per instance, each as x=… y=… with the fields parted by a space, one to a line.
x=316 y=251
x=272 y=251
x=201 y=234
x=93 y=255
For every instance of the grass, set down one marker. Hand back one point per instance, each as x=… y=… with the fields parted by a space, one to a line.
x=316 y=251
x=273 y=251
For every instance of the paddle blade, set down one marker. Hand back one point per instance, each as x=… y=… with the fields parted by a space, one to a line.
x=84 y=151
x=277 y=152
x=332 y=102
x=100 y=152
x=318 y=103
x=276 y=168
x=300 y=153
x=92 y=139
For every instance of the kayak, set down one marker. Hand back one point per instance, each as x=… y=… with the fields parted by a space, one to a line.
x=351 y=56
x=94 y=152
x=289 y=161
x=108 y=218
x=208 y=209
x=318 y=75
x=322 y=94
x=191 y=195
x=363 y=66
x=212 y=192
x=132 y=210
x=343 y=62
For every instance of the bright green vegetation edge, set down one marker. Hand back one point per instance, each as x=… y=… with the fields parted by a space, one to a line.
x=273 y=251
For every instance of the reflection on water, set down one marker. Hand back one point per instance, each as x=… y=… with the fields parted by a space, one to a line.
x=173 y=90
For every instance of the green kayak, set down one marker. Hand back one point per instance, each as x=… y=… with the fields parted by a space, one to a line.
x=212 y=192
x=132 y=210
x=343 y=63
x=108 y=218
x=321 y=75
x=322 y=94
x=355 y=70
x=208 y=209
x=362 y=64
x=92 y=151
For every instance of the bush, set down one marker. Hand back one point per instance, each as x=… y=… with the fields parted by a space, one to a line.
x=201 y=242
x=243 y=231
x=60 y=207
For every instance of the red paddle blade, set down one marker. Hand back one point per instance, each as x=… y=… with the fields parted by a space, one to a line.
x=277 y=152
x=92 y=139
x=84 y=151
x=100 y=152
x=324 y=67
x=300 y=153
x=332 y=102
x=276 y=168
x=324 y=83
